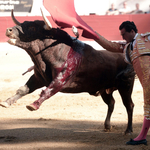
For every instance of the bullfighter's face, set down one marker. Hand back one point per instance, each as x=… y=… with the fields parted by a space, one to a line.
x=128 y=36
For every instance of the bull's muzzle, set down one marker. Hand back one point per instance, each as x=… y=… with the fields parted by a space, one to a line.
x=9 y=31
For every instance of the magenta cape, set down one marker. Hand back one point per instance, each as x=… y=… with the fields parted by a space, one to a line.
x=64 y=15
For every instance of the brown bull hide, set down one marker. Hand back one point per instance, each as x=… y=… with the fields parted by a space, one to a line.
x=97 y=70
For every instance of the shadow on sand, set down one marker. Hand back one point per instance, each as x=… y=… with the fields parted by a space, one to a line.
x=61 y=134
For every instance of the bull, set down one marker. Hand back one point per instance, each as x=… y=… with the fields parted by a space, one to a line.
x=65 y=64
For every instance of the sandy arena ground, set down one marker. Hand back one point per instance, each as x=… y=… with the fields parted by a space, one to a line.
x=65 y=121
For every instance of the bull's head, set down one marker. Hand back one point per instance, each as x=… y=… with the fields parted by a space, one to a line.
x=32 y=30
x=28 y=31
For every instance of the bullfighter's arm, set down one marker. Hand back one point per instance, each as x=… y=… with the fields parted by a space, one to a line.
x=110 y=46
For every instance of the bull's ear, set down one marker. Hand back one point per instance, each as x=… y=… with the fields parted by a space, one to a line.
x=47 y=23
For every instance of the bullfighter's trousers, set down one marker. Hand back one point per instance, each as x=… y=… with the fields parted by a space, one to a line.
x=142 y=68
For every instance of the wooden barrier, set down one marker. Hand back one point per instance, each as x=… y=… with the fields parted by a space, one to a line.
x=107 y=26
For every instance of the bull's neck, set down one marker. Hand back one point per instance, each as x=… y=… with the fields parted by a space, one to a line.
x=32 y=48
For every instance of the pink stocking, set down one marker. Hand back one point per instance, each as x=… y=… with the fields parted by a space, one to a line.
x=145 y=128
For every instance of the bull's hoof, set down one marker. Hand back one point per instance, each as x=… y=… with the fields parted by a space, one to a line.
x=4 y=104
x=107 y=130
x=127 y=133
x=107 y=127
x=31 y=107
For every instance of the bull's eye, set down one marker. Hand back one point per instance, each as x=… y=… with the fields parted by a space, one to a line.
x=31 y=28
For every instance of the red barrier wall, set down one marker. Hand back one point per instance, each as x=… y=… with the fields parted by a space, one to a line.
x=107 y=26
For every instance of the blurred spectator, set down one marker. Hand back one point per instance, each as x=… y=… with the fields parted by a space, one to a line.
x=112 y=10
x=148 y=11
x=137 y=10
x=125 y=10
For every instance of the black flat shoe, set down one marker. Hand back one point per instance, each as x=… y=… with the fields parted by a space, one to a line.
x=132 y=142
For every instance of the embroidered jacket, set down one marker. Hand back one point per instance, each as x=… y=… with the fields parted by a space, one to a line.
x=141 y=47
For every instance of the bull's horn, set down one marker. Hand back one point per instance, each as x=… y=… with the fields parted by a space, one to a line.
x=14 y=19
x=47 y=23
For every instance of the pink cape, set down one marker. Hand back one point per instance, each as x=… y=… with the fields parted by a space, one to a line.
x=64 y=15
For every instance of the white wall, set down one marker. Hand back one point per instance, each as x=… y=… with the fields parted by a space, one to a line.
x=84 y=7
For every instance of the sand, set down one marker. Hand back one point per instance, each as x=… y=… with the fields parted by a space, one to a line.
x=63 y=122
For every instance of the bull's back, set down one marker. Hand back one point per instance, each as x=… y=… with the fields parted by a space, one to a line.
x=102 y=61
x=98 y=70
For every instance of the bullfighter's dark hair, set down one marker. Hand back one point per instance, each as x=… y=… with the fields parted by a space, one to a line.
x=128 y=25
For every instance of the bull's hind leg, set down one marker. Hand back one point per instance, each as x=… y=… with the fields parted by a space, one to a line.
x=31 y=85
x=128 y=103
x=109 y=100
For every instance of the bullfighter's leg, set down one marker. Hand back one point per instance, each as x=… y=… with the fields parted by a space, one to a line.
x=128 y=103
x=31 y=85
x=109 y=100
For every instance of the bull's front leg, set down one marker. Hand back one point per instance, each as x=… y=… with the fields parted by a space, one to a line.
x=55 y=86
x=68 y=69
x=52 y=89
x=32 y=84
x=19 y=93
